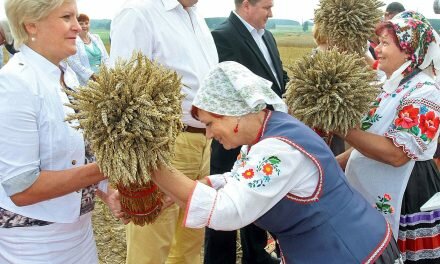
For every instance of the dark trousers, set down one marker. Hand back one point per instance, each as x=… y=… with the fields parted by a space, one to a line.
x=220 y=246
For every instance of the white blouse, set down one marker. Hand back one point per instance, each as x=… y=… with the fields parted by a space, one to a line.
x=34 y=135
x=409 y=115
x=260 y=178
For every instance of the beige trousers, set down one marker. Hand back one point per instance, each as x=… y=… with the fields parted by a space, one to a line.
x=166 y=240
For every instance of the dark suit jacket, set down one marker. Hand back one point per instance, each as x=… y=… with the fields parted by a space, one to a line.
x=235 y=43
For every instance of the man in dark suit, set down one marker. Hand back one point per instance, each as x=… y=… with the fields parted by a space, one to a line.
x=242 y=38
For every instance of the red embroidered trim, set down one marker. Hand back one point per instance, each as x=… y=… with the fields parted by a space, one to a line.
x=381 y=247
x=188 y=203
x=262 y=128
x=419 y=101
x=405 y=149
x=318 y=190
x=208 y=181
x=269 y=114
x=212 y=210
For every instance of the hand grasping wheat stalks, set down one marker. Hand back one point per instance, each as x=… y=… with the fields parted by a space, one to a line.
x=131 y=116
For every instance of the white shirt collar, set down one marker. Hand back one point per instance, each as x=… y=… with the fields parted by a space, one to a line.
x=171 y=4
x=391 y=84
x=53 y=71
x=249 y=27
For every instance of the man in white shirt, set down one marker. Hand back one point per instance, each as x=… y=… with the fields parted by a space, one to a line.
x=172 y=33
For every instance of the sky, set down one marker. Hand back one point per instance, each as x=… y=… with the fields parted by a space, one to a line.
x=299 y=10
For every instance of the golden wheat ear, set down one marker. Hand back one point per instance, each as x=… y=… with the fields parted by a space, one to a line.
x=131 y=116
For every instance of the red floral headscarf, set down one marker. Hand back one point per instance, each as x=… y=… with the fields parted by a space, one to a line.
x=418 y=39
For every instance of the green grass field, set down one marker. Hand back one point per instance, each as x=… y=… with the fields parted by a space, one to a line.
x=104 y=35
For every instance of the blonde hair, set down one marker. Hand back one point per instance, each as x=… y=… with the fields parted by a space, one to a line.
x=319 y=36
x=20 y=12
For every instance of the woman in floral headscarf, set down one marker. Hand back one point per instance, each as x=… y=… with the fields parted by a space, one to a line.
x=286 y=180
x=391 y=159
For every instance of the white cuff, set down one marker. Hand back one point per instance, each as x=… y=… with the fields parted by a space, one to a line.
x=200 y=206
x=217 y=181
x=103 y=186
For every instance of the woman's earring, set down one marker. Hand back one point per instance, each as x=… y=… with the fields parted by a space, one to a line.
x=33 y=39
x=236 y=129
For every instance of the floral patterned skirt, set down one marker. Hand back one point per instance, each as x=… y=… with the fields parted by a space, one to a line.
x=10 y=219
x=419 y=232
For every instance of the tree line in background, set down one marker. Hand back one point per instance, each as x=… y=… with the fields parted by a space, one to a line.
x=104 y=24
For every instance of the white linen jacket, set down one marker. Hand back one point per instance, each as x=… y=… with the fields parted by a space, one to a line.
x=34 y=135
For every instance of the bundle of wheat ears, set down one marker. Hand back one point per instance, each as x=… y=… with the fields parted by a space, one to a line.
x=348 y=24
x=333 y=89
x=131 y=116
x=330 y=91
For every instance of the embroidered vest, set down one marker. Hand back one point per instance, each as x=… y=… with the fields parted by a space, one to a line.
x=335 y=224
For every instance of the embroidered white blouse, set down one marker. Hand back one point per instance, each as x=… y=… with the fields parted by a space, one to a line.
x=259 y=179
x=409 y=115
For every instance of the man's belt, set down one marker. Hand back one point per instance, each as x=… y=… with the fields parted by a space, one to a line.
x=191 y=129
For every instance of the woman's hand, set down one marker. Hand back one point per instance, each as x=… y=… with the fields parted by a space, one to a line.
x=205 y=180
x=113 y=201
x=167 y=201
x=343 y=158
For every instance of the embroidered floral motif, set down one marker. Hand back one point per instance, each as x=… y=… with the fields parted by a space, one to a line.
x=9 y=219
x=371 y=117
x=242 y=159
x=408 y=117
x=266 y=169
x=429 y=125
x=248 y=174
x=418 y=121
x=383 y=205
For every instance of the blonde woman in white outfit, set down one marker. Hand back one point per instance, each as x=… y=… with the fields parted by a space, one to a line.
x=46 y=191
